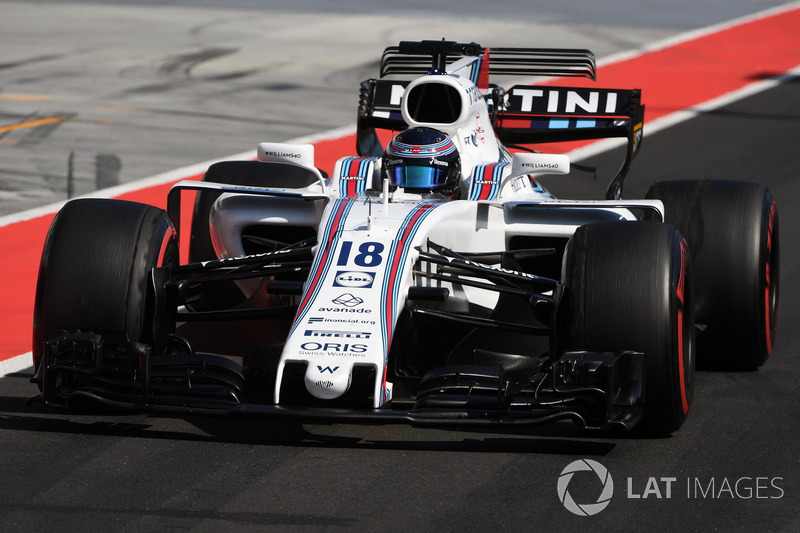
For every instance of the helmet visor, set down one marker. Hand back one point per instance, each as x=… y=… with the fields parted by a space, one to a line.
x=418 y=177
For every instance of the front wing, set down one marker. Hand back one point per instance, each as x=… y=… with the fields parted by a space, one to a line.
x=593 y=389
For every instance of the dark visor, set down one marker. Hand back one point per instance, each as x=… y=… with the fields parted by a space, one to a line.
x=418 y=177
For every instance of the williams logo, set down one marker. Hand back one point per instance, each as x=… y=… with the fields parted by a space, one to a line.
x=362 y=280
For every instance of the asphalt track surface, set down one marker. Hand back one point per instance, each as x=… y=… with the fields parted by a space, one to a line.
x=732 y=467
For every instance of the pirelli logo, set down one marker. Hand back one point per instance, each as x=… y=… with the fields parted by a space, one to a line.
x=558 y=100
x=338 y=334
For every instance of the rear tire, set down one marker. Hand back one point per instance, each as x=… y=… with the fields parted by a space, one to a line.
x=95 y=271
x=732 y=231
x=628 y=286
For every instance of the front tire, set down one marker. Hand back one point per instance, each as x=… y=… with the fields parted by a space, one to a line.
x=95 y=270
x=628 y=286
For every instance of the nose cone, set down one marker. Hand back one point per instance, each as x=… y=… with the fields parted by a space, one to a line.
x=327 y=381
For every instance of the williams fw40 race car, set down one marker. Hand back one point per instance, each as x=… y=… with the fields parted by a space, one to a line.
x=429 y=279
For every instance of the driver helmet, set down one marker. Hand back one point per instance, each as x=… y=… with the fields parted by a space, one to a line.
x=424 y=160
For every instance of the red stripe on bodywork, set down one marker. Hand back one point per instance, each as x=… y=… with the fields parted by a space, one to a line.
x=325 y=252
x=351 y=186
x=483 y=73
x=395 y=269
x=486 y=187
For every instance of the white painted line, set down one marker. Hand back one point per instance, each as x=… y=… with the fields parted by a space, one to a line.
x=695 y=34
x=180 y=173
x=158 y=179
x=165 y=177
x=16 y=364
x=677 y=117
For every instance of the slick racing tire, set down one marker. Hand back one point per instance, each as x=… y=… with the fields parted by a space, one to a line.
x=95 y=271
x=628 y=286
x=732 y=231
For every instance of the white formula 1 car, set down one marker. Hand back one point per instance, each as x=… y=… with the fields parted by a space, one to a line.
x=429 y=279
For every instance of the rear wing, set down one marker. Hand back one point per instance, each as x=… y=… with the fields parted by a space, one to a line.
x=412 y=57
x=524 y=114
x=540 y=114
